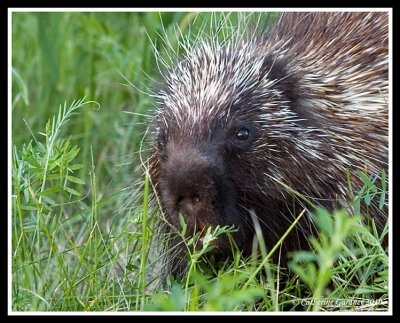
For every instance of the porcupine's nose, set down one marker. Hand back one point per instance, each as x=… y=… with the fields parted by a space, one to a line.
x=192 y=182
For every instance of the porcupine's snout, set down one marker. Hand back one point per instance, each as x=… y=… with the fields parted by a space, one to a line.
x=193 y=184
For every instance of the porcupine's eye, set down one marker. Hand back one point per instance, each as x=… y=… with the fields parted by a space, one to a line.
x=242 y=134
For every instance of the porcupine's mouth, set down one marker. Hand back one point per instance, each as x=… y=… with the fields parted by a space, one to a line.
x=199 y=233
x=206 y=237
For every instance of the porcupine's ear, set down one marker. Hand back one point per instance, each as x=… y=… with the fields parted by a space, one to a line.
x=276 y=69
x=288 y=82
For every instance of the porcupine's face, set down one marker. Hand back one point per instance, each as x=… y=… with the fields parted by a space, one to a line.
x=220 y=121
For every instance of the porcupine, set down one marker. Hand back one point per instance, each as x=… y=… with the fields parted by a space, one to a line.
x=300 y=104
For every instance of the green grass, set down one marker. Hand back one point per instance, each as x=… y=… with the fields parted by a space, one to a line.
x=83 y=231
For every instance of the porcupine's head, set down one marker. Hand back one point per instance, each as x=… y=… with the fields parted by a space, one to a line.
x=223 y=126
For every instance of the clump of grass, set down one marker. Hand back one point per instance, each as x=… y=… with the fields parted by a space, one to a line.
x=340 y=253
x=204 y=288
x=64 y=258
